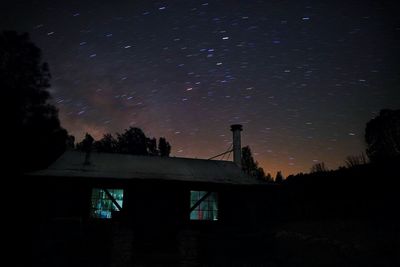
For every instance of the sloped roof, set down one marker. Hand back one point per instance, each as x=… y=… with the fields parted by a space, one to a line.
x=122 y=166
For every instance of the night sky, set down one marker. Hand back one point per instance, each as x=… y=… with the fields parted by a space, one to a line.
x=303 y=77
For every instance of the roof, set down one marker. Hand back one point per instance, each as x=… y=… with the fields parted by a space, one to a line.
x=123 y=166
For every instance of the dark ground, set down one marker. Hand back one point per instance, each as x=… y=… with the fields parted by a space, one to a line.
x=343 y=218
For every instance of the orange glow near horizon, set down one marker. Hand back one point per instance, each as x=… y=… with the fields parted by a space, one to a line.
x=203 y=146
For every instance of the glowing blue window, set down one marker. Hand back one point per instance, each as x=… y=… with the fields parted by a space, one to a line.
x=203 y=206
x=105 y=202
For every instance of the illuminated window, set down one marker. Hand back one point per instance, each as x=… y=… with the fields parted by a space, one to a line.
x=203 y=205
x=105 y=202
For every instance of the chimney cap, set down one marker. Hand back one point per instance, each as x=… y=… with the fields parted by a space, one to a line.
x=235 y=127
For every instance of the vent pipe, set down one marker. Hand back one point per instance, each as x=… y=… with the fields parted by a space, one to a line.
x=237 y=147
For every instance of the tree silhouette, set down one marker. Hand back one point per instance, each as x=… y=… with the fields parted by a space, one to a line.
x=352 y=161
x=87 y=143
x=34 y=137
x=87 y=146
x=133 y=141
x=250 y=166
x=319 y=167
x=268 y=177
x=152 y=147
x=107 y=144
x=382 y=135
x=279 y=177
x=260 y=174
x=70 y=142
x=164 y=147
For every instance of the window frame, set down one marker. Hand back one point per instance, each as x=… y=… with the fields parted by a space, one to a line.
x=113 y=207
x=212 y=206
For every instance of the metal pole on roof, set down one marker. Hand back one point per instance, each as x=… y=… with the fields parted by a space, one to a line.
x=237 y=146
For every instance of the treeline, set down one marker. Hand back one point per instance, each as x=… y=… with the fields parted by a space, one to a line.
x=250 y=166
x=132 y=141
x=382 y=139
x=382 y=156
x=365 y=188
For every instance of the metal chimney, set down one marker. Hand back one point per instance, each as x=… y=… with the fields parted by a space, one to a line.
x=237 y=147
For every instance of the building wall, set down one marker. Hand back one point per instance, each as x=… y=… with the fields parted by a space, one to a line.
x=155 y=221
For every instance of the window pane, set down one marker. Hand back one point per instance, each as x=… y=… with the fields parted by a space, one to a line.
x=207 y=209
x=102 y=205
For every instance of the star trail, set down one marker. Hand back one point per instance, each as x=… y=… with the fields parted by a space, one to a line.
x=303 y=77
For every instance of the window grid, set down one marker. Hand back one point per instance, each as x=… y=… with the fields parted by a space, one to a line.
x=208 y=208
x=102 y=205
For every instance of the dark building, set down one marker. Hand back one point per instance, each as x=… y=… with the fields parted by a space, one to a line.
x=125 y=209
